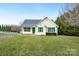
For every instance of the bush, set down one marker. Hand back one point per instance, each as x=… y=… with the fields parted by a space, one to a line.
x=70 y=30
x=71 y=33
x=50 y=33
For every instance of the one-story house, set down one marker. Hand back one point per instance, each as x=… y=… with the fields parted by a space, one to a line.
x=39 y=26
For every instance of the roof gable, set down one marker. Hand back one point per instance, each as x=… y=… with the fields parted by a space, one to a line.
x=46 y=18
x=47 y=22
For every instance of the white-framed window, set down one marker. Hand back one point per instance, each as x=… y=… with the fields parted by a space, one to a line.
x=27 y=29
x=40 y=29
x=51 y=29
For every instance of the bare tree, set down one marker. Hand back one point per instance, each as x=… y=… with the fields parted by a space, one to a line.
x=71 y=14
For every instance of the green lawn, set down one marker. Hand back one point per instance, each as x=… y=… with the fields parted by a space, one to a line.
x=39 y=45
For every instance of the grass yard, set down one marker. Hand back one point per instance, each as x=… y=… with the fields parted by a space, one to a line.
x=23 y=45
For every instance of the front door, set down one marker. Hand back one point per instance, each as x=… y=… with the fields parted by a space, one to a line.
x=33 y=30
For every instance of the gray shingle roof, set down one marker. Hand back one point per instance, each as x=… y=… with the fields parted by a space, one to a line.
x=30 y=22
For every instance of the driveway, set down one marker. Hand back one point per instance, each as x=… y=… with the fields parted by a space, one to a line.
x=7 y=34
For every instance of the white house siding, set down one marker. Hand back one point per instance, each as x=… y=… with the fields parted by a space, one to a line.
x=45 y=24
x=56 y=30
x=24 y=32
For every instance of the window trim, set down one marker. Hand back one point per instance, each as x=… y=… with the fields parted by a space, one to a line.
x=26 y=29
x=51 y=29
x=40 y=29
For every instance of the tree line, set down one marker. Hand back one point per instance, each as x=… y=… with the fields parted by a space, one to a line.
x=5 y=28
x=68 y=22
x=9 y=28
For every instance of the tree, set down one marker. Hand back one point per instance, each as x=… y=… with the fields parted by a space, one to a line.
x=69 y=21
x=0 y=27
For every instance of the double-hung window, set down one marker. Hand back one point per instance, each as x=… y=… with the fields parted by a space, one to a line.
x=27 y=29
x=40 y=29
x=51 y=29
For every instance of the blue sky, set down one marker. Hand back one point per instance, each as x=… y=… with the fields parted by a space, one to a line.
x=16 y=13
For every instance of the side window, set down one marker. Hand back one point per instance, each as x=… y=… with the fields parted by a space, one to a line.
x=27 y=29
x=51 y=29
x=40 y=29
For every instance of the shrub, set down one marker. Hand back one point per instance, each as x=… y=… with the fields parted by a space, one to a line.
x=70 y=30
